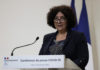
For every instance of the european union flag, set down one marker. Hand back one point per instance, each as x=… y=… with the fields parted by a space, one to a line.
x=83 y=26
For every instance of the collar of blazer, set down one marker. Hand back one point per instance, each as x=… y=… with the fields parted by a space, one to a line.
x=52 y=36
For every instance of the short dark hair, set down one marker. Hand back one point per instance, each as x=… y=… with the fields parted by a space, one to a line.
x=68 y=13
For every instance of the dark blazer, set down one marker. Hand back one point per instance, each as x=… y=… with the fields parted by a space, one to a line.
x=75 y=47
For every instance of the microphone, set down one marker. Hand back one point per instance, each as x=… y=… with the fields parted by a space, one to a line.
x=23 y=46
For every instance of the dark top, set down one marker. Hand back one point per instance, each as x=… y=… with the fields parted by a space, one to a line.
x=75 y=47
x=56 y=47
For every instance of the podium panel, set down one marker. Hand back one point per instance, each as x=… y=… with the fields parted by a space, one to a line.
x=36 y=61
x=40 y=62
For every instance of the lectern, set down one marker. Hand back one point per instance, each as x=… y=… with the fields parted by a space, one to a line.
x=51 y=62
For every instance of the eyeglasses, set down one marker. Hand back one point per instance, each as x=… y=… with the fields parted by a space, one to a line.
x=57 y=20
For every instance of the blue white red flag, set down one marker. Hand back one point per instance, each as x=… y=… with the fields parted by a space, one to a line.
x=83 y=26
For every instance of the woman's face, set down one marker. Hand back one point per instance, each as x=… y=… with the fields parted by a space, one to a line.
x=60 y=22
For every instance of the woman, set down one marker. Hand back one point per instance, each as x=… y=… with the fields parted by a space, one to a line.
x=65 y=41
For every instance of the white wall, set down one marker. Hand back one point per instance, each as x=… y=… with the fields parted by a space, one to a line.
x=21 y=21
x=96 y=21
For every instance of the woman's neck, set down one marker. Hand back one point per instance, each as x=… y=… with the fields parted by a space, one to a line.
x=61 y=35
x=62 y=32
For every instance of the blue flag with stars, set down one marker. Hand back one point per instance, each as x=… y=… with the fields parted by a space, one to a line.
x=83 y=26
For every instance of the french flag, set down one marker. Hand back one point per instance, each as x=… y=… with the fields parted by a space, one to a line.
x=83 y=26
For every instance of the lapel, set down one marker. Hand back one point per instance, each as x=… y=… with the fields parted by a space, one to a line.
x=68 y=38
x=53 y=36
x=50 y=40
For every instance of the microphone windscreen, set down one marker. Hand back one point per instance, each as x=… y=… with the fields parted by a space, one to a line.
x=37 y=38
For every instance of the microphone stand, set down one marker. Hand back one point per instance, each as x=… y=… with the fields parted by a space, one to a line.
x=23 y=46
